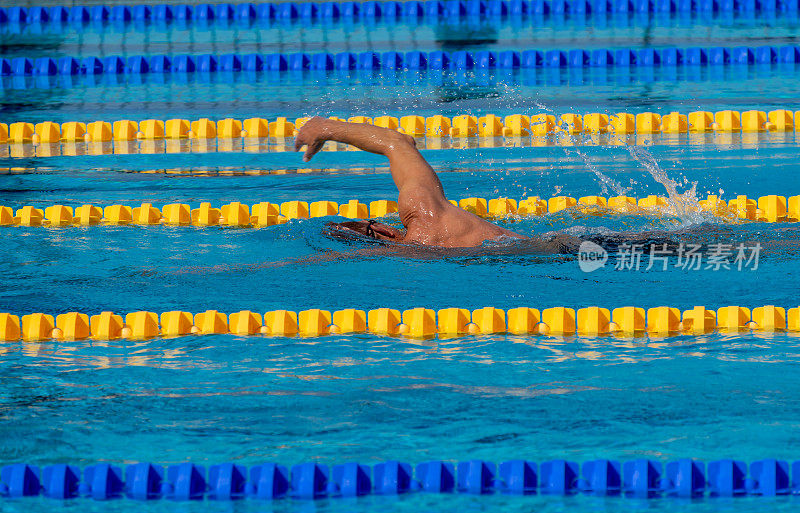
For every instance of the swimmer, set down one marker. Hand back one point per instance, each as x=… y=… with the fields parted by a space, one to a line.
x=432 y=224
x=429 y=219
x=434 y=227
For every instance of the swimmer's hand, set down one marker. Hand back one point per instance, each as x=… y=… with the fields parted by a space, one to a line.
x=312 y=135
x=363 y=136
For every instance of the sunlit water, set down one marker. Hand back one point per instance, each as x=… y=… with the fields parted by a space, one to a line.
x=359 y=92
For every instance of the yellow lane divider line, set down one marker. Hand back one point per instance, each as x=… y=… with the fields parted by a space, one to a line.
x=436 y=126
x=624 y=322
x=772 y=208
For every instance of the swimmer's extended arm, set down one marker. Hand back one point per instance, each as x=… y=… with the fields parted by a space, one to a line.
x=411 y=173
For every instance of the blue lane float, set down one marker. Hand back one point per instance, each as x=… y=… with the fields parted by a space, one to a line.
x=686 y=478
x=436 y=60
x=435 y=10
x=59 y=25
x=529 y=77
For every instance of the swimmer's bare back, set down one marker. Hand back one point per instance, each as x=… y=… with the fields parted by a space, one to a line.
x=428 y=217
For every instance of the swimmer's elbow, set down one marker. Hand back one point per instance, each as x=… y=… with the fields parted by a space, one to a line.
x=398 y=143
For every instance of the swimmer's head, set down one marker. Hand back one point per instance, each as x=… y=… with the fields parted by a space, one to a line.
x=366 y=228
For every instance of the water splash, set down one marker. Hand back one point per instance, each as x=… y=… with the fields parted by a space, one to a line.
x=686 y=205
x=606 y=182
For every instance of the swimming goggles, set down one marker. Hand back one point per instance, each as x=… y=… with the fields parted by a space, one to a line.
x=370 y=230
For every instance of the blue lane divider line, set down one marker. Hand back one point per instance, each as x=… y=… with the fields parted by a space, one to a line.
x=386 y=10
x=434 y=60
x=640 y=478
x=60 y=19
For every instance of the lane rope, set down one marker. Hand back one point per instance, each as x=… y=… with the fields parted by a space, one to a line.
x=772 y=209
x=641 y=479
x=438 y=130
x=415 y=60
x=421 y=323
x=429 y=11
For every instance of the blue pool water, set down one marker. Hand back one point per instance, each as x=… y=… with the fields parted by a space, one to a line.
x=111 y=97
x=248 y=400
x=613 y=30
x=367 y=398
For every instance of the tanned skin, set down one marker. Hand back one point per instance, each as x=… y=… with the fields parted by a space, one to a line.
x=429 y=219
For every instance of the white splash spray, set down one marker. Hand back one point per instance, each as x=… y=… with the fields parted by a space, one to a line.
x=686 y=205
x=606 y=182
